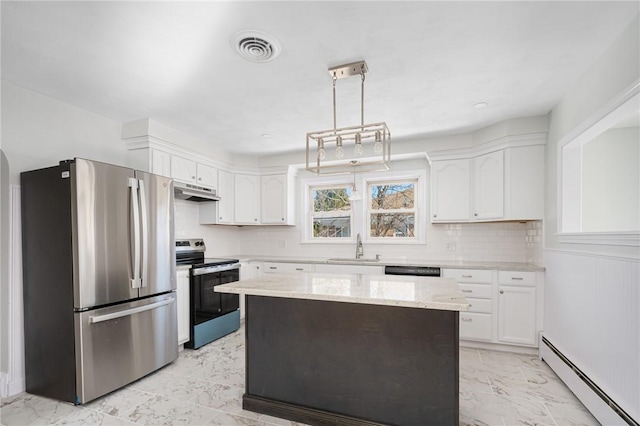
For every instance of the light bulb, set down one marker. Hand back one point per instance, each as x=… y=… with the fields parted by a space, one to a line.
x=321 y=153
x=357 y=149
x=377 y=147
x=339 y=150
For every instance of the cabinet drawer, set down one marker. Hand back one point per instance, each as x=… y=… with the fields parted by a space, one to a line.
x=480 y=305
x=270 y=267
x=475 y=326
x=469 y=275
x=476 y=290
x=517 y=278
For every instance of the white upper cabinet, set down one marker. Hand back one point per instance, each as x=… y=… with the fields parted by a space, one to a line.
x=226 y=193
x=524 y=184
x=247 y=199
x=183 y=169
x=207 y=175
x=488 y=186
x=501 y=182
x=276 y=200
x=450 y=190
x=160 y=163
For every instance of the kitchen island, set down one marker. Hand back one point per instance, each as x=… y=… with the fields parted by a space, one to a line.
x=352 y=349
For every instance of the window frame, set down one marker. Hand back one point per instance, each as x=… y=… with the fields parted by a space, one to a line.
x=369 y=210
x=359 y=211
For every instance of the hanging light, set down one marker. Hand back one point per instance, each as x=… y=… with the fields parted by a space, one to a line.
x=355 y=195
x=321 y=153
x=377 y=136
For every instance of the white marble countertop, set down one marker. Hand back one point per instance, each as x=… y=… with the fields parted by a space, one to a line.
x=388 y=290
x=492 y=265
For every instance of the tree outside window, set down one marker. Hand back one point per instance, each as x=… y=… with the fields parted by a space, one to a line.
x=392 y=209
x=331 y=213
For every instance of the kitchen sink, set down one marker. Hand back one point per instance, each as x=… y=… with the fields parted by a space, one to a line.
x=351 y=259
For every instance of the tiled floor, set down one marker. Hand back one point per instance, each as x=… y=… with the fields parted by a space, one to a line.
x=205 y=387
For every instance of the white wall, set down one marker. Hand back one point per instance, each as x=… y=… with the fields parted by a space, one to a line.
x=38 y=131
x=591 y=299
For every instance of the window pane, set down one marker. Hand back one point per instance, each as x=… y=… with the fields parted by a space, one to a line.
x=392 y=225
x=332 y=227
x=392 y=196
x=331 y=199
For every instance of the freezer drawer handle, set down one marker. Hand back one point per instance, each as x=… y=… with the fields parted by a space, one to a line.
x=114 y=315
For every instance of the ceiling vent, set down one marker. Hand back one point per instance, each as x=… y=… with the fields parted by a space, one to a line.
x=256 y=46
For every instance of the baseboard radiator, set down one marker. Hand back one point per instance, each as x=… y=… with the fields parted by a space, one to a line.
x=605 y=409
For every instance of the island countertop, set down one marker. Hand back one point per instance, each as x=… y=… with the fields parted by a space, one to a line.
x=388 y=290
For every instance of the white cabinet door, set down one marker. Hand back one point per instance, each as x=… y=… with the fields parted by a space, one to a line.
x=160 y=163
x=247 y=199
x=182 y=295
x=183 y=169
x=274 y=200
x=207 y=175
x=488 y=186
x=524 y=184
x=517 y=314
x=450 y=191
x=226 y=193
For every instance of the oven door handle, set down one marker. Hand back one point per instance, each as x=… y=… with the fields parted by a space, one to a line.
x=211 y=269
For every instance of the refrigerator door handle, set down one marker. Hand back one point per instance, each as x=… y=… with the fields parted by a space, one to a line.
x=128 y=312
x=144 y=219
x=133 y=184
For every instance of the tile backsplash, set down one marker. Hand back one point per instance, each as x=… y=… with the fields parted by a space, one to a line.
x=499 y=241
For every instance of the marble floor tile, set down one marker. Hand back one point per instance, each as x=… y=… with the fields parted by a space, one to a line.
x=205 y=386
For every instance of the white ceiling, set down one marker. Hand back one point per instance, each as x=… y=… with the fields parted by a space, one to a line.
x=429 y=62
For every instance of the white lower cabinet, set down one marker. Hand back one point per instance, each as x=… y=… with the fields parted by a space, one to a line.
x=477 y=286
x=517 y=308
x=182 y=296
x=503 y=305
x=274 y=267
x=350 y=269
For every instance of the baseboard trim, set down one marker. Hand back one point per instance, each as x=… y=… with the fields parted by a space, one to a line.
x=603 y=408
x=10 y=387
x=528 y=350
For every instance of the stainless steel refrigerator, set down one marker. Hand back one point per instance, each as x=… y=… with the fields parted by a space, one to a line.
x=98 y=278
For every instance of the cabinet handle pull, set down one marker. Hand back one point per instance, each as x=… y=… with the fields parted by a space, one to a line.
x=467 y=319
x=273 y=267
x=199 y=178
x=299 y=269
x=193 y=177
x=467 y=276
x=475 y=214
x=517 y=278
x=467 y=291
x=435 y=215
x=501 y=291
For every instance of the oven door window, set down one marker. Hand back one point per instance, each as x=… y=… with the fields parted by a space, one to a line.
x=209 y=304
x=229 y=301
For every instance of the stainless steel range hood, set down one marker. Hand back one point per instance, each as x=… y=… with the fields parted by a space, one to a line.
x=191 y=192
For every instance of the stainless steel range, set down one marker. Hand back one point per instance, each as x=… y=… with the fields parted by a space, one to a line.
x=212 y=314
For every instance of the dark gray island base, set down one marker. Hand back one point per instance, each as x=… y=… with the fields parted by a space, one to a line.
x=335 y=363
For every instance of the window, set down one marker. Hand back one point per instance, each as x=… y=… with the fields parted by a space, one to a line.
x=388 y=213
x=391 y=209
x=331 y=212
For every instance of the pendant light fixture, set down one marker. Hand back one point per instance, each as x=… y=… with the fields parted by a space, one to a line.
x=371 y=142
x=355 y=195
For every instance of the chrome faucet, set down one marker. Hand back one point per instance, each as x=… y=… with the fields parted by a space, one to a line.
x=359 y=248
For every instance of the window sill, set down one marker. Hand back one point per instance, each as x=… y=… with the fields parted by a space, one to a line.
x=630 y=238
